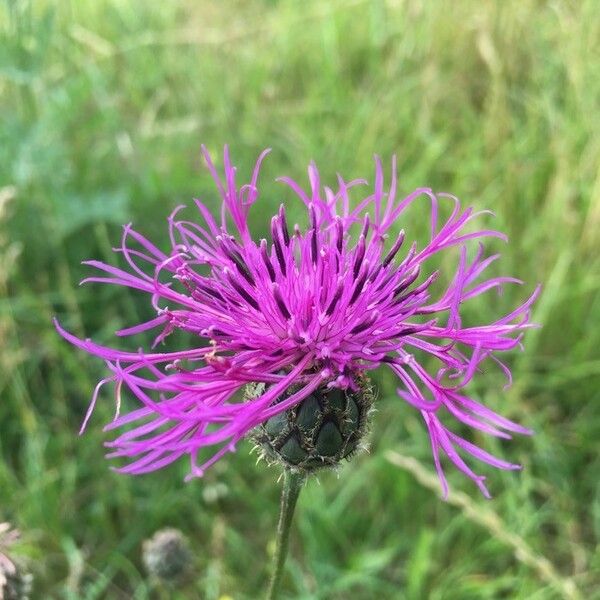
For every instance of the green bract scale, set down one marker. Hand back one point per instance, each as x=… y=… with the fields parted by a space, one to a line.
x=326 y=427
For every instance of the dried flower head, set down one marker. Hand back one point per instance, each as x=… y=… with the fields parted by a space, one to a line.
x=15 y=580
x=167 y=555
x=313 y=308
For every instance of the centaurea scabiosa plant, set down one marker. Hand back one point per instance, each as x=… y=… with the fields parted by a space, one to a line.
x=299 y=320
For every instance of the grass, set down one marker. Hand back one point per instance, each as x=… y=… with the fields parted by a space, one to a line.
x=104 y=106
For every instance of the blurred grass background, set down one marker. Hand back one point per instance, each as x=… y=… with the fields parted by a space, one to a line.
x=104 y=106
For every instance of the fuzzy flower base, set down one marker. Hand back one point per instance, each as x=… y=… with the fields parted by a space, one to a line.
x=313 y=307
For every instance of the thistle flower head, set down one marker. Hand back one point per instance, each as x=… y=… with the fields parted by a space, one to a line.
x=314 y=307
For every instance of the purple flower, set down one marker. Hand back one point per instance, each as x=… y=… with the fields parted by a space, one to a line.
x=311 y=307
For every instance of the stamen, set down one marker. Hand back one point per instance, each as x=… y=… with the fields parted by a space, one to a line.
x=339 y=226
x=360 y=254
x=409 y=256
x=423 y=286
x=386 y=280
x=235 y=257
x=336 y=297
x=375 y=273
x=394 y=249
x=283 y=226
x=266 y=259
x=241 y=291
x=280 y=302
x=313 y=216
x=360 y=283
x=365 y=229
x=242 y=267
x=277 y=245
x=364 y=325
x=207 y=290
x=410 y=330
x=410 y=278
x=313 y=238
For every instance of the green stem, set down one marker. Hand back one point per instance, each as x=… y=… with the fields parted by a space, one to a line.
x=292 y=484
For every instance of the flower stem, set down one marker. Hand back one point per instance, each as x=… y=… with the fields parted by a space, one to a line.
x=292 y=484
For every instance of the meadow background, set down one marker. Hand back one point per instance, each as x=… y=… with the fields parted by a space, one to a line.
x=104 y=105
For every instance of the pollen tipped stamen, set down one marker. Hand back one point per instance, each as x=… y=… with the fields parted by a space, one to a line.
x=364 y=325
x=339 y=229
x=241 y=291
x=313 y=217
x=410 y=330
x=360 y=254
x=366 y=224
x=358 y=287
x=235 y=257
x=336 y=298
x=280 y=302
x=207 y=290
x=423 y=286
x=394 y=249
x=314 y=254
x=409 y=257
x=283 y=226
x=387 y=280
x=375 y=273
x=266 y=259
x=408 y=280
x=242 y=267
x=277 y=245
x=314 y=232
x=213 y=332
